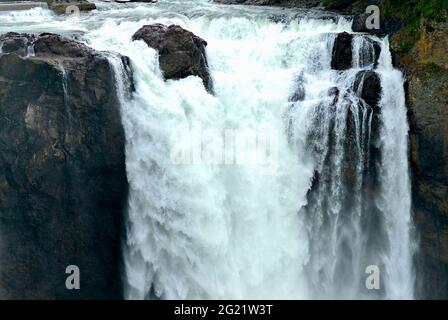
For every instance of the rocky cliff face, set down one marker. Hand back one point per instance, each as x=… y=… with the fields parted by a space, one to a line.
x=426 y=69
x=63 y=183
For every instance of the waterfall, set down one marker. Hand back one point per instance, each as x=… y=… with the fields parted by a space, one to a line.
x=332 y=194
x=218 y=231
x=358 y=210
x=338 y=202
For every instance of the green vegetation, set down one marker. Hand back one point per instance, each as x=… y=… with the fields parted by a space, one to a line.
x=407 y=45
x=430 y=9
x=412 y=16
x=432 y=67
x=413 y=13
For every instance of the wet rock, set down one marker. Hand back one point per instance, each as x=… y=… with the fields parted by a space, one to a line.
x=342 y=52
x=12 y=42
x=369 y=52
x=359 y=23
x=63 y=183
x=367 y=85
x=182 y=53
x=377 y=53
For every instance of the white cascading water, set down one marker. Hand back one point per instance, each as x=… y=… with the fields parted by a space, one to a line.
x=396 y=188
x=358 y=211
x=222 y=231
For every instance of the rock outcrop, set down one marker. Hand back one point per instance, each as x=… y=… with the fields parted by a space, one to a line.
x=63 y=183
x=182 y=53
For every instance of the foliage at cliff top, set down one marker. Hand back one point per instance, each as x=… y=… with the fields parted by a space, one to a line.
x=408 y=13
x=413 y=13
x=408 y=10
x=415 y=10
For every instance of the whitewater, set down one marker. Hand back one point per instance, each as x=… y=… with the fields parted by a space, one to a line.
x=236 y=230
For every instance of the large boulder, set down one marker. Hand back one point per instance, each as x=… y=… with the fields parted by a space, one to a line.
x=182 y=53
x=63 y=183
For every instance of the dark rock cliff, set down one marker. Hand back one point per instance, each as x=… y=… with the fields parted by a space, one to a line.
x=426 y=69
x=63 y=183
